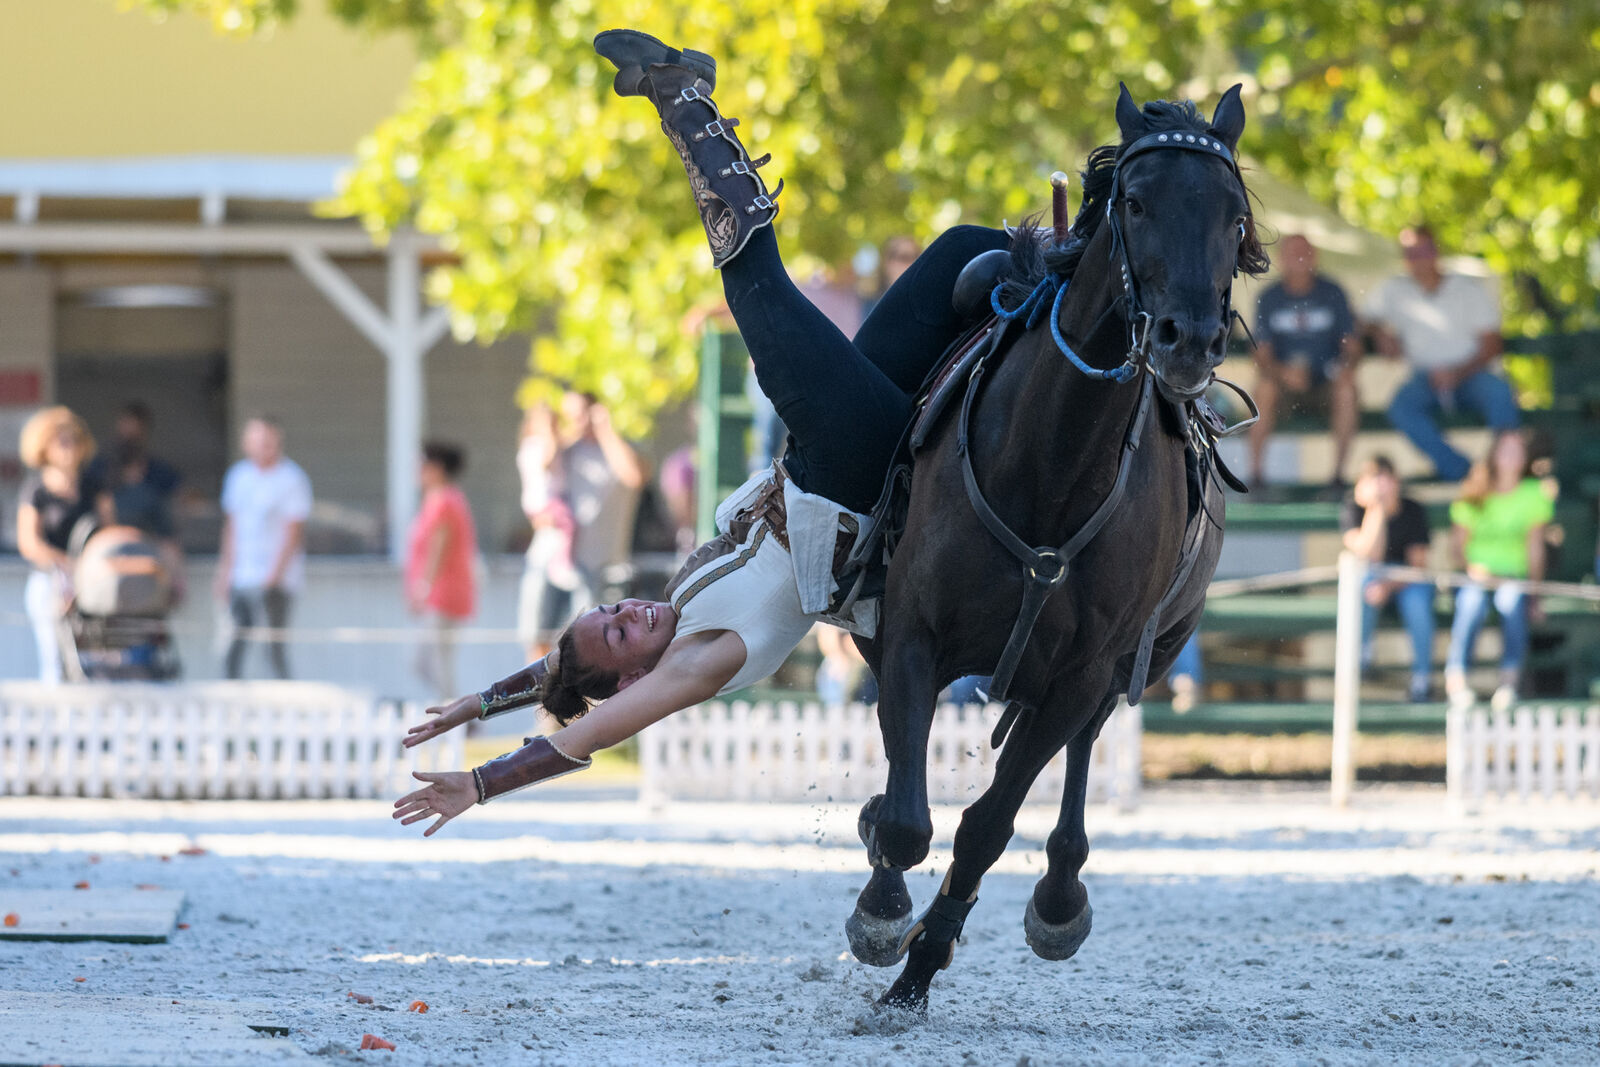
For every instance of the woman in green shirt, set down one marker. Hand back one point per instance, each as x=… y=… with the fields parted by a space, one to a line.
x=1498 y=532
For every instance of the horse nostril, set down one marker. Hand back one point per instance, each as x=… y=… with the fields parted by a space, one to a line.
x=1170 y=333
x=1218 y=348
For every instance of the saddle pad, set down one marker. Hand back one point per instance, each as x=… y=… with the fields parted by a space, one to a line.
x=946 y=382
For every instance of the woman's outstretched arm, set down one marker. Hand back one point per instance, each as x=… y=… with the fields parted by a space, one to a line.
x=694 y=669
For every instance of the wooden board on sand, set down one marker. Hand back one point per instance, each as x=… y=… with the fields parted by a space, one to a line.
x=142 y=916
x=89 y=1030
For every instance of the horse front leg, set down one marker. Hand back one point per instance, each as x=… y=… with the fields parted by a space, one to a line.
x=896 y=826
x=1058 y=917
x=986 y=827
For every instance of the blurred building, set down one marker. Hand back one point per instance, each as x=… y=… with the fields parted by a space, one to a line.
x=158 y=243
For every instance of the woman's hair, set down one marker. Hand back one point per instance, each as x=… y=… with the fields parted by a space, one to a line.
x=570 y=688
x=43 y=425
x=1479 y=482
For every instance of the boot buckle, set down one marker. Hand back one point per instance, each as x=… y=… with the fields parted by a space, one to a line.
x=689 y=95
x=715 y=128
x=738 y=166
x=761 y=203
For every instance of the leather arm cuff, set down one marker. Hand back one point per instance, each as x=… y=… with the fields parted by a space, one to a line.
x=519 y=690
x=536 y=761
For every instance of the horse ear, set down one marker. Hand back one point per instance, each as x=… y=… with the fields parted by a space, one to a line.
x=1130 y=120
x=1227 y=122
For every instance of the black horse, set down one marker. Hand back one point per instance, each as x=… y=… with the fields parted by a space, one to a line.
x=1093 y=402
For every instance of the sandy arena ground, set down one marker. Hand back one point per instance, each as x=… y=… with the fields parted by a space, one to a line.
x=1232 y=923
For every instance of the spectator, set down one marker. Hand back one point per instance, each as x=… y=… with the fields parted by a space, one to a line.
x=1185 y=677
x=266 y=499
x=600 y=476
x=896 y=256
x=438 y=574
x=1382 y=526
x=57 y=445
x=1447 y=329
x=1499 y=526
x=677 y=480
x=142 y=486
x=842 y=676
x=549 y=573
x=1305 y=344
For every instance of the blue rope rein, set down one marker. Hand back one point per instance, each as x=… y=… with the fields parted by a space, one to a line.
x=1035 y=303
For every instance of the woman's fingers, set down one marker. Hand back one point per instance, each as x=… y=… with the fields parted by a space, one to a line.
x=408 y=808
x=418 y=817
x=430 y=831
x=414 y=796
x=426 y=776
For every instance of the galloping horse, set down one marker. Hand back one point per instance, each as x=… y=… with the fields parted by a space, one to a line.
x=1085 y=434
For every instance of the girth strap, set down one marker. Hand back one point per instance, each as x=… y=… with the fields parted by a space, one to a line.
x=1043 y=569
x=1189 y=553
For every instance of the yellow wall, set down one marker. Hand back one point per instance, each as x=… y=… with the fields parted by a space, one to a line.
x=80 y=78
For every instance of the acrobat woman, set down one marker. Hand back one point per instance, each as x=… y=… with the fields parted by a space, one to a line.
x=743 y=601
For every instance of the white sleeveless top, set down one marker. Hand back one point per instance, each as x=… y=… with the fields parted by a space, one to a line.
x=756 y=591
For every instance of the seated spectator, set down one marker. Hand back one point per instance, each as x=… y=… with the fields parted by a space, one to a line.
x=1305 y=346
x=1499 y=526
x=842 y=676
x=1382 y=526
x=1447 y=329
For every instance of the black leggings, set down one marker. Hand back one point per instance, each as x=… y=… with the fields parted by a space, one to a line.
x=846 y=404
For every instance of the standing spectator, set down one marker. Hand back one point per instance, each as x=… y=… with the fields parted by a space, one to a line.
x=1499 y=526
x=602 y=476
x=1305 y=344
x=897 y=254
x=57 y=446
x=1447 y=329
x=549 y=573
x=266 y=499
x=142 y=486
x=598 y=476
x=438 y=574
x=1382 y=526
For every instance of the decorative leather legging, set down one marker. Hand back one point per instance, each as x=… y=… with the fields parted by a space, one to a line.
x=846 y=402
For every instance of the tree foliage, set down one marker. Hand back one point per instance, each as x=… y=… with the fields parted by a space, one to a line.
x=569 y=215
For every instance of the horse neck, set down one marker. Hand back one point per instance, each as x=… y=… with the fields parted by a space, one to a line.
x=1073 y=429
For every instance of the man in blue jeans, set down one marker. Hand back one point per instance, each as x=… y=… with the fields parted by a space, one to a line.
x=1447 y=329
x=1381 y=526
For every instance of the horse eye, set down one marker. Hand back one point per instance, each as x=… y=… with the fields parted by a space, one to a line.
x=1135 y=208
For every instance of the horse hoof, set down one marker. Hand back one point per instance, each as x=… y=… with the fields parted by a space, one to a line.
x=1051 y=942
x=876 y=941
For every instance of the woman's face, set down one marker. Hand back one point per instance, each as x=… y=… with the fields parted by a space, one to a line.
x=64 y=450
x=1510 y=455
x=627 y=637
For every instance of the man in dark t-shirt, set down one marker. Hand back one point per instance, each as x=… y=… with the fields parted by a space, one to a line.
x=1306 y=347
x=1382 y=526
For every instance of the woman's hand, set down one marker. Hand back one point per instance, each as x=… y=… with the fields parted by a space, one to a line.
x=446 y=718
x=447 y=794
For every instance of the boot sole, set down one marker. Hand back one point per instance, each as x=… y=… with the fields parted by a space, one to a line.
x=630 y=50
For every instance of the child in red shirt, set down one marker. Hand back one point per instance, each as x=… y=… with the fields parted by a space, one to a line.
x=438 y=574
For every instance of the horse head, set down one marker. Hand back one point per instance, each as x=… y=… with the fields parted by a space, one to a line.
x=1181 y=229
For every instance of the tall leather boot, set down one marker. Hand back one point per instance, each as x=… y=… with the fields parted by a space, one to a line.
x=732 y=198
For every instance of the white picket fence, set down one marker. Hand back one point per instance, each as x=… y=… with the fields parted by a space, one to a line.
x=1539 y=749
x=789 y=750
x=262 y=740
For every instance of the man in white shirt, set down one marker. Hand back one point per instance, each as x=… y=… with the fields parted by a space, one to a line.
x=266 y=499
x=1447 y=329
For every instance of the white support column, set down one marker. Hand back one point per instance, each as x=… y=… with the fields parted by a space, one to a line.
x=1347 y=674
x=406 y=415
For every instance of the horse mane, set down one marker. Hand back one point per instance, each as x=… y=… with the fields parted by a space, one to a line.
x=1033 y=255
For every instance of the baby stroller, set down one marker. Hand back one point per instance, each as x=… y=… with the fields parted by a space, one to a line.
x=115 y=628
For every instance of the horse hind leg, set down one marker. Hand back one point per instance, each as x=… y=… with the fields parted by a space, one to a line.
x=1058 y=917
x=877 y=928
